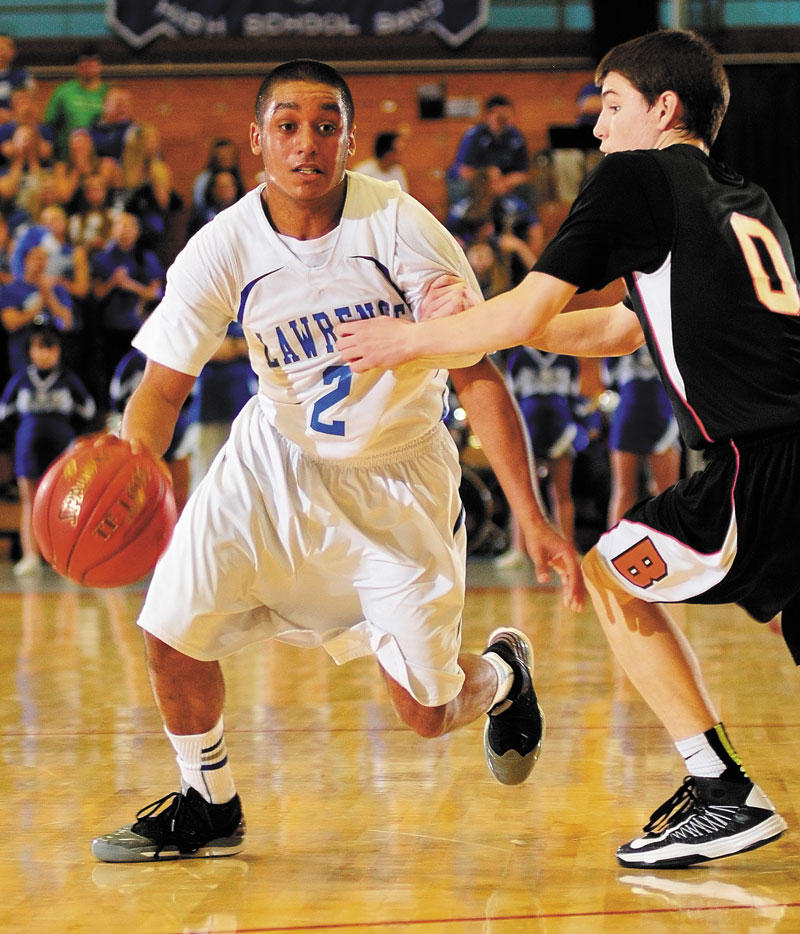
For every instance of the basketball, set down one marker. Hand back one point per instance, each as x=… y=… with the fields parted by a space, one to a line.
x=103 y=515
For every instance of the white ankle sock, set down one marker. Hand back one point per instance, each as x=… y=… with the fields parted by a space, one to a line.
x=505 y=677
x=203 y=761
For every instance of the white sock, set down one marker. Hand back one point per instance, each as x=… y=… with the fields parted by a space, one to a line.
x=505 y=677
x=700 y=758
x=203 y=761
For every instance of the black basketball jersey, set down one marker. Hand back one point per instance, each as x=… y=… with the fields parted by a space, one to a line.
x=711 y=277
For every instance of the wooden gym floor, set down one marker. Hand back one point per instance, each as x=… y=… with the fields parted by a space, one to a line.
x=354 y=824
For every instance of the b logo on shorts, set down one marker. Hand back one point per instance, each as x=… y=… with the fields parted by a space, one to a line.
x=641 y=565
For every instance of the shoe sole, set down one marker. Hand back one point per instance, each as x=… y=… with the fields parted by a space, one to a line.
x=681 y=855
x=511 y=768
x=108 y=853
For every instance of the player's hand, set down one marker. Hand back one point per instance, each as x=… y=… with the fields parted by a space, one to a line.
x=373 y=343
x=447 y=295
x=548 y=550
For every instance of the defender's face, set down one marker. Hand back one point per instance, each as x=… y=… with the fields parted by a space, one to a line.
x=304 y=140
x=626 y=120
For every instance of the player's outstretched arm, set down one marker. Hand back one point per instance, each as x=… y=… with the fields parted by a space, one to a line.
x=496 y=420
x=519 y=316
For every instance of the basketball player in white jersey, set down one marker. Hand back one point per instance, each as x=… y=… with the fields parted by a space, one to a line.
x=712 y=289
x=331 y=516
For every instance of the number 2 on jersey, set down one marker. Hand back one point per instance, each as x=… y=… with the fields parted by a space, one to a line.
x=783 y=301
x=340 y=376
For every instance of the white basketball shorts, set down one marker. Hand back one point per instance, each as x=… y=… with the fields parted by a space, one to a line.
x=362 y=558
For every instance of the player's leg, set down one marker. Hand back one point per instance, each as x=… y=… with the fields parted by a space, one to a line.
x=665 y=468
x=653 y=651
x=498 y=683
x=205 y=817
x=717 y=811
x=624 y=476
x=481 y=682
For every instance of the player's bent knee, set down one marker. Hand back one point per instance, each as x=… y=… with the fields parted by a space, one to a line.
x=427 y=722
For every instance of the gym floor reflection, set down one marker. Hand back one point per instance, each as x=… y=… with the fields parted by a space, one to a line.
x=354 y=822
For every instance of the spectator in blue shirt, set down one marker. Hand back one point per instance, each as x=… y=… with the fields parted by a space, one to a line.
x=496 y=145
x=30 y=300
x=126 y=280
x=38 y=142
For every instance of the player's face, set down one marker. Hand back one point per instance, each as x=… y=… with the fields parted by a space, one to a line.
x=304 y=142
x=626 y=120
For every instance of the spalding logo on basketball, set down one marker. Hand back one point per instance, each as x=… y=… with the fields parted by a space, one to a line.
x=102 y=515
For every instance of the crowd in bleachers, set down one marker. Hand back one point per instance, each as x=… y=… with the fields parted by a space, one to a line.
x=87 y=229
x=87 y=214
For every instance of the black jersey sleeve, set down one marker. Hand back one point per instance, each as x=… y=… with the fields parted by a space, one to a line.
x=622 y=221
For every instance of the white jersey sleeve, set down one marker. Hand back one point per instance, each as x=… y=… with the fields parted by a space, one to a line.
x=192 y=319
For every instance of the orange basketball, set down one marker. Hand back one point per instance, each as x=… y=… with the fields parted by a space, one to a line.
x=102 y=515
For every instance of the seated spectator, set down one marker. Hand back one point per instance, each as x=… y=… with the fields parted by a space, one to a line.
x=36 y=195
x=142 y=152
x=505 y=221
x=90 y=225
x=30 y=300
x=46 y=400
x=82 y=161
x=126 y=280
x=499 y=147
x=114 y=127
x=11 y=75
x=223 y=157
x=75 y=103
x=155 y=202
x=221 y=193
x=387 y=161
x=37 y=142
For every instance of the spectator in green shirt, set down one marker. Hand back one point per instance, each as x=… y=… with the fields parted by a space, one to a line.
x=77 y=102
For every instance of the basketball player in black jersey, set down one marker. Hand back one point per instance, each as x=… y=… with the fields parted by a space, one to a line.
x=712 y=291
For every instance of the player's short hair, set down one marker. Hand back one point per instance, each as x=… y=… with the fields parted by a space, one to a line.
x=680 y=61
x=384 y=142
x=305 y=69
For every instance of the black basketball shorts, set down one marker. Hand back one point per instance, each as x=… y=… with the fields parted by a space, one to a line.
x=729 y=533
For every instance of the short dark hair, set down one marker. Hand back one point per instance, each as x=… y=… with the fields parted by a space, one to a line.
x=46 y=334
x=87 y=50
x=384 y=142
x=497 y=100
x=680 y=61
x=305 y=69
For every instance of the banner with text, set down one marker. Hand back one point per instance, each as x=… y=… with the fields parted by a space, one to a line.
x=139 y=22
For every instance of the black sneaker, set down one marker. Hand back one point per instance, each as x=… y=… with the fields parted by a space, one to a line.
x=706 y=818
x=512 y=739
x=187 y=828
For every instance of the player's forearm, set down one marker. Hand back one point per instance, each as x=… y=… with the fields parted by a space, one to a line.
x=496 y=420
x=519 y=316
x=593 y=332
x=152 y=411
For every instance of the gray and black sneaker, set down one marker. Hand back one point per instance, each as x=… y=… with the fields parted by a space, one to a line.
x=188 y=827
x=706 y=818
x=512 y=739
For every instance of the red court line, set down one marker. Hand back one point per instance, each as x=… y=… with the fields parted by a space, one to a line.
x=557 y=915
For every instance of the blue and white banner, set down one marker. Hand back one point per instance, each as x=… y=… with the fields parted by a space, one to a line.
x=139 y=22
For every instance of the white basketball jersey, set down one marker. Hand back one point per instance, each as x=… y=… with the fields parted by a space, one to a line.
x=385 y=251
